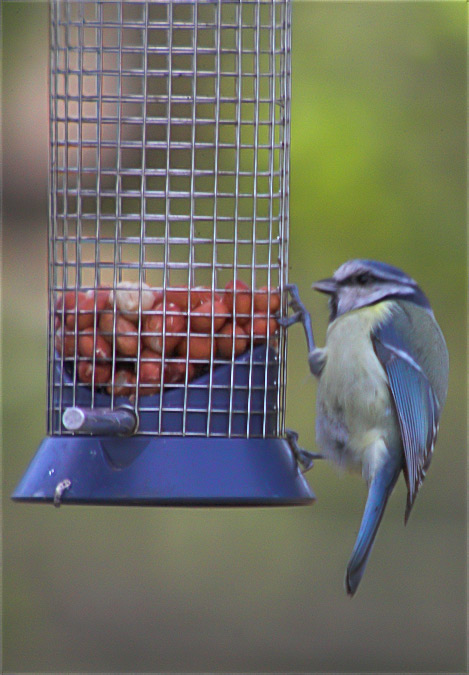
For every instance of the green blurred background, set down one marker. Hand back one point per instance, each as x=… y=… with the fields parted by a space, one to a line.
x=377 y=170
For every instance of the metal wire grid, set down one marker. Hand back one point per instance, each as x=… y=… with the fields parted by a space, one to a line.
x=169 y=162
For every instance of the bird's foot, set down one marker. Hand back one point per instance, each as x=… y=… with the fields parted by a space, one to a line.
x=296 y=304
x=287 y=321
x=300 y=315
x=302 y=456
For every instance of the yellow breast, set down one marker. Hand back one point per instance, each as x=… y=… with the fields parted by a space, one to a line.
x=353 y=389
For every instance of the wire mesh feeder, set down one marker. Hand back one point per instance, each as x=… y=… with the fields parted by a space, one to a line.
x=168 y=255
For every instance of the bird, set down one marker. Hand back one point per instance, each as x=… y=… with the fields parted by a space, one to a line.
x=382 y=384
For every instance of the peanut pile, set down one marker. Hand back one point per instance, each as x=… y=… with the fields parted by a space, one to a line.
x=131 y=321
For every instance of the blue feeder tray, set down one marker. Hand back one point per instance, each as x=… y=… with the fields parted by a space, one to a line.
x=175 y=470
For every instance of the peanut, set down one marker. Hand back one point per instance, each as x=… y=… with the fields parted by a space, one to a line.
x=87 y=345
x=201 y=294
x=258 y=327
x=201 y=317
x=174 y=323
x=175 y=371
x=102 y=372
x=238 y=299
x=126 y=333
x=70 y=303
x=149 y=372
x=200 y=348
x=65 y=340
x=179 y=296
x=261 y=300
x=124 y=383
x=225 y=341
x=128 y=297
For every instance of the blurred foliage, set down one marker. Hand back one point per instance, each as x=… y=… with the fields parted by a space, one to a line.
x=377 y=170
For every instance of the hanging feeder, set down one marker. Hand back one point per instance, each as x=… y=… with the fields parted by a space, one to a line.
x=168 y=256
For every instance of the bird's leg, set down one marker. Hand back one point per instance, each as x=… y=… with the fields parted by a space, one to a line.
x=302 y=456
x=301 y=314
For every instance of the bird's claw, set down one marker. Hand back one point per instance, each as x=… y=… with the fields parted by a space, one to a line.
x=300 y=311
x=286 y=321
x=296 y=303
x=302 y=456
x=292 y=436
x=300 y=315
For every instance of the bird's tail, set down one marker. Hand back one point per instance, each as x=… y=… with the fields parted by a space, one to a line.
x=378 y=494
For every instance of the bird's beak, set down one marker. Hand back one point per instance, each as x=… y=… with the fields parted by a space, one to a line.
x=326 y=286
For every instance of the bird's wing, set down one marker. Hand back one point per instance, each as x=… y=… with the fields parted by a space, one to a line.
x=417 y=405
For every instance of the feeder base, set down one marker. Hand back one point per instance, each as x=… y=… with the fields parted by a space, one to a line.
x=164 y=471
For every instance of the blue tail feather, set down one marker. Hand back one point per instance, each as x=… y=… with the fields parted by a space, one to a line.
x=378 y=494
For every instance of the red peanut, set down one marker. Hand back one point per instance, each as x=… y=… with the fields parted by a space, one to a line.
x=175 y=322
x=238 y=299
x=225 y=341
x=259 y=327
x=261 y=300
x=126 y=333
x=201 y=317
x=102 y=372
x=87 y=345
x=149 y=372
x=124 y=383
x=200 y=348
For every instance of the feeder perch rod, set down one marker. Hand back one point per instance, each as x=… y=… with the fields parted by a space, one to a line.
x=100 y=421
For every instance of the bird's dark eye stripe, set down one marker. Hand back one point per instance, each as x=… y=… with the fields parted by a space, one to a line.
x=363 y=278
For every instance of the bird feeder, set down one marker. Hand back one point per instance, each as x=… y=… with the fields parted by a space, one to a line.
x=168 y=256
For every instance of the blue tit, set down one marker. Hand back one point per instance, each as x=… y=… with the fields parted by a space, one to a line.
x=383 y=380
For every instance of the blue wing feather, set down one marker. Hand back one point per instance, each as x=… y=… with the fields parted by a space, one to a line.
x=416 y=404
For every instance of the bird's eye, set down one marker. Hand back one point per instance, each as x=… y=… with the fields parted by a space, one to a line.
x=363 y=278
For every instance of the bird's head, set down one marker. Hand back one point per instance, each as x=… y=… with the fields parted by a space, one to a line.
x=360 y=283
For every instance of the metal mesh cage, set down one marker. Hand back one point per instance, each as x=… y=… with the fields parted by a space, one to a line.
x=169 y=126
